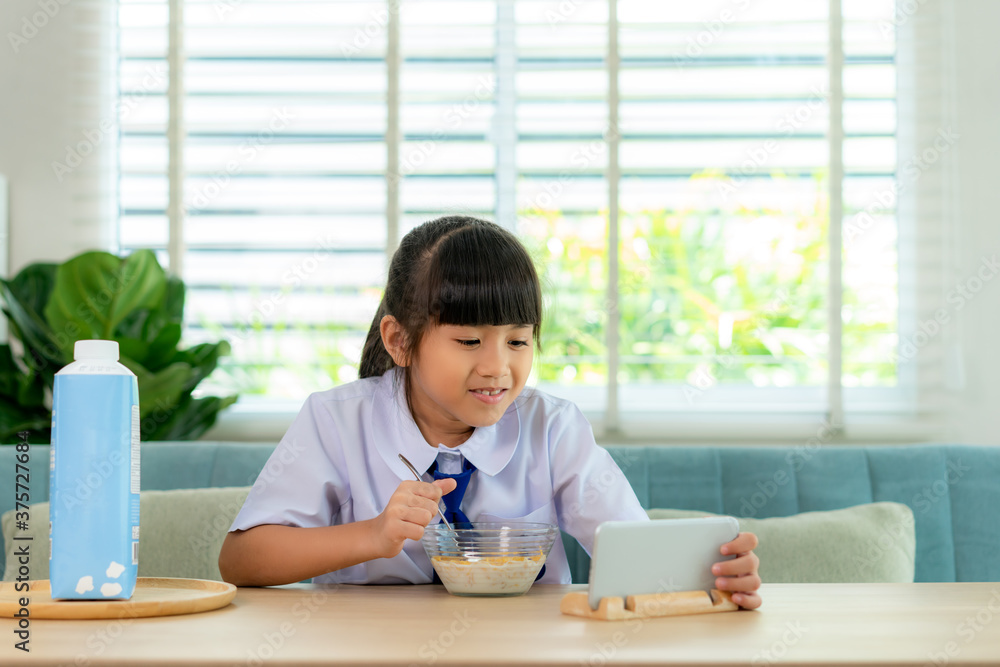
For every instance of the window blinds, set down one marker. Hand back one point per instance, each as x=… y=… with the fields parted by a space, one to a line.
x=314 y=134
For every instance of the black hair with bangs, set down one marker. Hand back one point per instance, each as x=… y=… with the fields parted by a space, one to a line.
x=482 y=275
x=454 y=270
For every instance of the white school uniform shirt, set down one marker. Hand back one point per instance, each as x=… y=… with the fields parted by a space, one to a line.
x=339 y=463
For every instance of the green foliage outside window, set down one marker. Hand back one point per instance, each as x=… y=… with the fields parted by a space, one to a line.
x=738 y=296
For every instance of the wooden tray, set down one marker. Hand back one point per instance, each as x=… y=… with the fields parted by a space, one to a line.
x=154 y=596
x=649 y=606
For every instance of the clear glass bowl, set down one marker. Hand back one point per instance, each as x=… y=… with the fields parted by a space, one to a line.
x=489 y=559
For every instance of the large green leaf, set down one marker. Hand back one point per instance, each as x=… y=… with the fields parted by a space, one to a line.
x=33 y=285
x=15 y=418
x=150 y=335
x=31 y=391
x=96 y=291
x=203 y=359
x=130 y=339
x=24 y=299
x=166 y=325
x=159 y=392
x=9 y=373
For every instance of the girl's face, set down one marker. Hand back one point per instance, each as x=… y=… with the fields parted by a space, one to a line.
x=467 y=376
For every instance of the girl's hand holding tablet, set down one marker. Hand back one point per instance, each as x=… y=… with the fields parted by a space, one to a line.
x=739 y=575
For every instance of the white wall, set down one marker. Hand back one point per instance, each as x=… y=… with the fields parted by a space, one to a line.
x=39 y=118
x=975 y=417
x=38 y=84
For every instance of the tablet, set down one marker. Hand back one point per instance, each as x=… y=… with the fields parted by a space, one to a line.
x=661 y=556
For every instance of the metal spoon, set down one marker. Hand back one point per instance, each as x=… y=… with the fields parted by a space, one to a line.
x=417 y=475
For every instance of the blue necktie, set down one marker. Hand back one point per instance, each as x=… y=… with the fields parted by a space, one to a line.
x=453 y=500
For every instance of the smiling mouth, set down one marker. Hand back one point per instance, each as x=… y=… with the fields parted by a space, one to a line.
x=491 y=397
x=489 y=392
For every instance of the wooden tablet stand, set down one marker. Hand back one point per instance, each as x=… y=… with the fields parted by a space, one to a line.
x=648 y=606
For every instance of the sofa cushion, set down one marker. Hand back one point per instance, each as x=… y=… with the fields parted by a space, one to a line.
x=866 y=543
x=180 y=533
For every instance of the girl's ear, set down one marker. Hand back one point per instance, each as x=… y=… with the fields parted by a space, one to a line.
x=394 y=339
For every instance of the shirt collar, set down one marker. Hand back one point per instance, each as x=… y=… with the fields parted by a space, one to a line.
x=489 y=448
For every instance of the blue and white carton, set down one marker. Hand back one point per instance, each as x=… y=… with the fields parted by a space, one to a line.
x=94 y=493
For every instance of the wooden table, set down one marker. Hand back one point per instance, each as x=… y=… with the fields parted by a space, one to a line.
x=822 y=624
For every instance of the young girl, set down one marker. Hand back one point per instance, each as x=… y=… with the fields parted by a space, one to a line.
x=443 y=374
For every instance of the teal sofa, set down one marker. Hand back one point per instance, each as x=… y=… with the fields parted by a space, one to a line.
x=953 y=490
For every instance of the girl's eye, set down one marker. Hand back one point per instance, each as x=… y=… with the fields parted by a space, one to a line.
x=519 y=343
x=471 y=342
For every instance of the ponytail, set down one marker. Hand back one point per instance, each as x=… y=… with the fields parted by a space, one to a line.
x=375 y=359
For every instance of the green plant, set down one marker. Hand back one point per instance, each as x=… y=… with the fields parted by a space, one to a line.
x=99 y=295
x=735 y=294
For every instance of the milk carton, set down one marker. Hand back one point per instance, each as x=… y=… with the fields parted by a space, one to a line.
x=94 y=492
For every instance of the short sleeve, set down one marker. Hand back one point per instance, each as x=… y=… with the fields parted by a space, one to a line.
x=302 y=483
x=588 y=486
